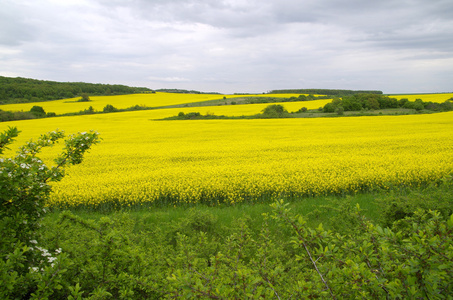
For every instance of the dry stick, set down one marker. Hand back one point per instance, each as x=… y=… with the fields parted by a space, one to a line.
x=199 y=274
x=311 y=258
x=270 y=286
x=316 y=268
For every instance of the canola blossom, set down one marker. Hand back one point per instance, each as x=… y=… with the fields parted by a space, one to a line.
x=143 y=162
x=240 y=110
x=125 y=101
x=437 y=98
x=252 y=109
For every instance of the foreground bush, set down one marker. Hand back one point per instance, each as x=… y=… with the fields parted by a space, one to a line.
x=28 y=269
x=197 y=256
x=117 y=257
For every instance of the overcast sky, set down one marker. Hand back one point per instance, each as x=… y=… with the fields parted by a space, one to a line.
x=397 y=46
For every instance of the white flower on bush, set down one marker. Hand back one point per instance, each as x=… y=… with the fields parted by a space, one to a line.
x=45 y=253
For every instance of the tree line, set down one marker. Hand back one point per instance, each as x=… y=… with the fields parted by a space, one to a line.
x=182 y=91
x=330 y=92
x=25 y=90
x=360 y=102
x=310 y=97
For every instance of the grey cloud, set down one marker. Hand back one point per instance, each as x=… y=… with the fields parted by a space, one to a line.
x=231 y=45
x=14 y=28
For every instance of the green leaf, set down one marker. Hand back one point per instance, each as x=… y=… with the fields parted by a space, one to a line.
x=450 y=221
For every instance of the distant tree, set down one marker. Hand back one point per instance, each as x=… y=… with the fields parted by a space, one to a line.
x=302 y=98
x=372 y=103
x=274 y=111
x=329 y=108
x=446 y=106
x=38 y=111
x=109 y=108
x=386 y=102
x=352 y=103
x=402 y=102
x=418 y=105
x=85 y=97
x=409 y=105
x=6 y=116
x=302 y=110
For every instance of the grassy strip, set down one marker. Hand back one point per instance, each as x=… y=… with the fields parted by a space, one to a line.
x=319 y=210
x=381 y=207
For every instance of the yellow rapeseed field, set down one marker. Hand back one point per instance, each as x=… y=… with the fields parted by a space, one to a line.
x=438 y=98
x=126 y=101
x=142 y=161
x=243 y=109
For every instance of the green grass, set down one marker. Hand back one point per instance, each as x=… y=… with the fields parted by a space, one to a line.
x=332 y=211
x=316 y=210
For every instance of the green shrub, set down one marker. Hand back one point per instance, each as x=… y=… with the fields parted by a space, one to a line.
x=274 y=111
x=109 y=108
x=38 y=111
x=369 y=262
x=329 y=108
x=27 y=267
x=85 y=98
x=302 y=110
x=398 y=206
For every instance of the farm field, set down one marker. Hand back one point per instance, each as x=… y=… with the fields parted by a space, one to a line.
x=146 y=162
x=126 y=101
x=231 y=208
x=242 y=109
x=438 y=98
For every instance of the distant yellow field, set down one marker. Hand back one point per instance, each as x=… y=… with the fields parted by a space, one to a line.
x=438 y=98
x=141 y=161
x=125 y=101
x=164 y=99
x=248 y=109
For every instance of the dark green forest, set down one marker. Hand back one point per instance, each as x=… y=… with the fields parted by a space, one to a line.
x=25 y=90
